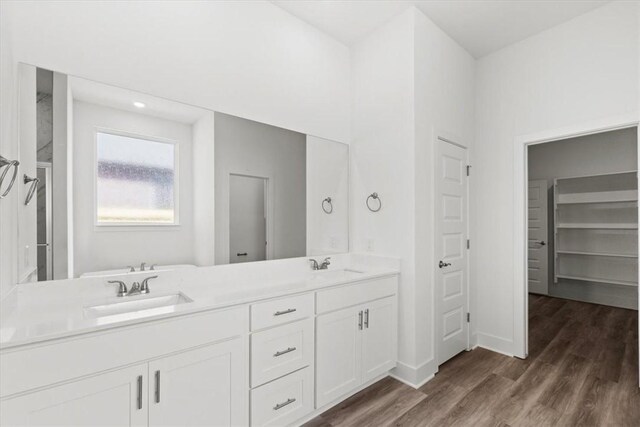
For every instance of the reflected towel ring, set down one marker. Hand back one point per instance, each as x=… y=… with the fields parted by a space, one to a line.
x=374 y=196
x=9 y=164
x=327 y=202
x=32 y=190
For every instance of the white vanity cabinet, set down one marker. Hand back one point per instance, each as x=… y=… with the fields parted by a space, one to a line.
x=112 y=399
x=358 y=343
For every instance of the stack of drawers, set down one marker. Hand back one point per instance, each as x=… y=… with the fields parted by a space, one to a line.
x=282 y=360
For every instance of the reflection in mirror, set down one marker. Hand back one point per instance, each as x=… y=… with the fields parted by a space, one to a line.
x=131 y=182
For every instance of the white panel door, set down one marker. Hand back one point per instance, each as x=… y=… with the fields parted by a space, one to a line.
x=117 y=398
x=538 y=259
x=379 y=338
x=451 y=250
x=247 y=219
x=203 y=387
x=338 y=353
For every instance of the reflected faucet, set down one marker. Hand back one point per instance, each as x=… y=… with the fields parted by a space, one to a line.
x=322 y=266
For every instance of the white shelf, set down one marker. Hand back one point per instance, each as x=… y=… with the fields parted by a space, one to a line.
x=598 y=197
x=593 y=279
x=602 y=226
x=597 y=254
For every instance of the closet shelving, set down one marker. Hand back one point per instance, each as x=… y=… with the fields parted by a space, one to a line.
x=596 y=228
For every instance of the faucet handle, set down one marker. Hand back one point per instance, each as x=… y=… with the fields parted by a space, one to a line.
x=144 y=286
x=153 y=267
x=122 y=289
x=131 y=268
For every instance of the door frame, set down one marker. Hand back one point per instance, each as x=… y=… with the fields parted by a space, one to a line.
x=440 y=135
x=47 y=166
x=269 y=189
x=520 y=213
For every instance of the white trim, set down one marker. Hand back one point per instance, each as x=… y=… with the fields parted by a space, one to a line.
x=494 y=343
x=137 y=226
x=520 y=176
x=416 y=386
x=415 y=376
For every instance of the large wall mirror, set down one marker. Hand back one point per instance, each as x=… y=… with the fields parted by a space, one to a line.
x=115 y=181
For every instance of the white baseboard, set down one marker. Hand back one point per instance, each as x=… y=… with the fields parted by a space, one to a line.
x=415 y=376
x=497 y=344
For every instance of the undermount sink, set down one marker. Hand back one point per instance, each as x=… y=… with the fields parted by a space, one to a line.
x=336 y=274
x=138 y=306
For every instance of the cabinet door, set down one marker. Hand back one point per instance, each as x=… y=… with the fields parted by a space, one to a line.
x=338 y=353
x=206 y=386
x=117 y=398
x=379 y=338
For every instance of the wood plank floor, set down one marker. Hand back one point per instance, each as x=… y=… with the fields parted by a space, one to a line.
x=582 y=371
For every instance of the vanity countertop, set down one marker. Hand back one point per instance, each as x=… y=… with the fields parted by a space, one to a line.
x=30 y=322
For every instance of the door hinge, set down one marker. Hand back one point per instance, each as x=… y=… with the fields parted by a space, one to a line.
x=468 y=317
x=468 y=170
x=468 y=244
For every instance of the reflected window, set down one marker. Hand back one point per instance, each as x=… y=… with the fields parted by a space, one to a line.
x=135 y=183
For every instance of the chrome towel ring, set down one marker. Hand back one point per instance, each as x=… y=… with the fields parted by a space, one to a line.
x=9 y=164
x=32 y=190
x=374 y=196
x=327 y=206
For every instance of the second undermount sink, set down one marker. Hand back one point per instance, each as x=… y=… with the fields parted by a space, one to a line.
x=138 y=305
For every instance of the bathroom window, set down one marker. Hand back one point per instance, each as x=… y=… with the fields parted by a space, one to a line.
x=136 y=180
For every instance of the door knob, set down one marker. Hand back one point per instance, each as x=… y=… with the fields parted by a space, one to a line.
x=443 y=264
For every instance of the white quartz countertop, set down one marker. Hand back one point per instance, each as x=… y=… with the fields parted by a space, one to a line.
x=28 y=319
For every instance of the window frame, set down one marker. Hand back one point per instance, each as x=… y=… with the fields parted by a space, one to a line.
x=132 y=226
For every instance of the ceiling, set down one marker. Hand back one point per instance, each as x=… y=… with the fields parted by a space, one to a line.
x=123 y=99
x=480 y=26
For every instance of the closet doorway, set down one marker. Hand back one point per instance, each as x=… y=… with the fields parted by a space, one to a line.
x=582 y=253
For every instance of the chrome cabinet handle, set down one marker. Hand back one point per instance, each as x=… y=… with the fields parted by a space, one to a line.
x=366 y=318
x=283 y=404
x=9 y=164
x=157 y=390
x=280 y=353
x=360 y=320
x=32 y=190
x=139 y=391
x=287 y=311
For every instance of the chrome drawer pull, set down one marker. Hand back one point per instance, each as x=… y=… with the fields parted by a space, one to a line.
x=366 y=318
x=282 y=405
x=280 y=353
x=280 y=313
x=139 y=397
x=157 y=390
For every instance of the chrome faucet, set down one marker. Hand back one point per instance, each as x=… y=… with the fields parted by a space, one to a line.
x=142 y=266
x=322 y=266
x=136 y=288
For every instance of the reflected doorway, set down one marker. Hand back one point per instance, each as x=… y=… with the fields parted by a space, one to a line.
x=248 y=201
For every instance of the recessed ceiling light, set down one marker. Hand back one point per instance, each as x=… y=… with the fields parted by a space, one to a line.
x=139 y=104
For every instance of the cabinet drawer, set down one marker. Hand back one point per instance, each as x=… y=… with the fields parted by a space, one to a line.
x=359 y=293
x=277 y=312
x=278 y=351
x=283 y=401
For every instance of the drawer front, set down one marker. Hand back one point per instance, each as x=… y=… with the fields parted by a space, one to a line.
x=278 y=351
x=358 y=293
x=276 y=312
x=283 y=401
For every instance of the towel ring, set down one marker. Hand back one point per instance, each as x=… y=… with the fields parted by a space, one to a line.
x=374 y=196
x=32 y=190
x=9 y=164
x=327 y=202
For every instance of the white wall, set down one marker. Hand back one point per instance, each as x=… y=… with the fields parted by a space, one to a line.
x=9 y=150
x=583 y=70
x=100 y=248
x=255 y=149
x=250 y=59
x=203 y=133
x=327 y=176
x=601 y=153
x=409 y=79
